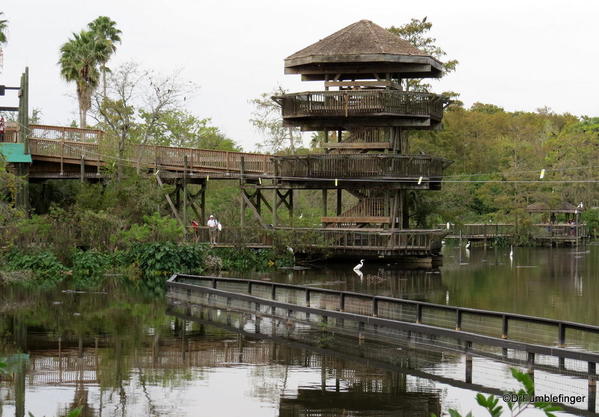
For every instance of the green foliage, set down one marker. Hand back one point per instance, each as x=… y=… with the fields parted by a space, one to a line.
x=79 y=60
x=3 y=27
x=156 y=228
x=89 y=267
x=245 y=260
x=2 y=367
x=157 y=261
x=524 y=401
x=591 y=218
x=45 y=265
x=417 y=33
x=266 y=119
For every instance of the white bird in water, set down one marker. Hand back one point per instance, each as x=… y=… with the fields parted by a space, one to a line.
x=301 y=216
x=359 y=266
x=511 y=252
x=468 y=244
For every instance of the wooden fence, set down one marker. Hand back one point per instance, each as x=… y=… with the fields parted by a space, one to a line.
x=361 y=103
x=361 y=165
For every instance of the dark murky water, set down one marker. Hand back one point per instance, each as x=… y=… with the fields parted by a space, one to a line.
x=118 y=354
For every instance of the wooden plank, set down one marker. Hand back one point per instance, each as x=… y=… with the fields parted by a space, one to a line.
x=381 y=83
x=358 y=145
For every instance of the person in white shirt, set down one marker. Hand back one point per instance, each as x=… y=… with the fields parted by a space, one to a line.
x=213 y=228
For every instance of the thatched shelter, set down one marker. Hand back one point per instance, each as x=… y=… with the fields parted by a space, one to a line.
x=360 y=49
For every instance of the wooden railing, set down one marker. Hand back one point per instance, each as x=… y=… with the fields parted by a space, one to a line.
x=325 y=238
x=70 y=134
x=143 y=156
x=10 y=136
x=366 y=239
x=361 y=166
x=560 y=230
x=480 y=230
x=361 y=103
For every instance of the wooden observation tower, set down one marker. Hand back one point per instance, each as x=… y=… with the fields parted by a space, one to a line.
x=365 y=114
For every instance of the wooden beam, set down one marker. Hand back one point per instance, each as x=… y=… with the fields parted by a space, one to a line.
x=170 y=202
x=357 y=219
x=247 y=201
x=358 y=145
x=380 y=83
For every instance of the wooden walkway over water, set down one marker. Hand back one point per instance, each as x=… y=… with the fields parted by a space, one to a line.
x=553 y=346
x=365 y=231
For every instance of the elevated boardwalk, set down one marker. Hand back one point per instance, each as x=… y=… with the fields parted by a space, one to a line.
x=72 y=153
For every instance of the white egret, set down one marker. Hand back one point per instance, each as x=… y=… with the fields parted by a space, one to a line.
x=359 y=266
x=511 y=252
x=468 y=244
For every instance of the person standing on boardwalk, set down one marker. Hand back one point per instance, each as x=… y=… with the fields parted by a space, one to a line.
x=213 y=226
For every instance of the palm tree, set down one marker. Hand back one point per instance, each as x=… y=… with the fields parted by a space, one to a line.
x=79 y=60
x=105 y=28
x=3 y=26
x=3 y=39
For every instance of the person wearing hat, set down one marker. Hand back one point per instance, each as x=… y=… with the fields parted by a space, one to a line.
x=213 y=226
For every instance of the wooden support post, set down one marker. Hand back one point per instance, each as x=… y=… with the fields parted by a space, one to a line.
x=418 y=313
x=307 y=297
x=185 y=168
x=375 y=307
x=82 y=169
x=203 y=203
x=62 y=155
x=504 y=327
x=458 y=319
x=275 y=205
x=242 y=199
x=468 y=376
x=290 y=205
x=170 y=202
x=324 y=202
x=342 y=302
x=339 y=201
x=592 y=384
x=561 y=334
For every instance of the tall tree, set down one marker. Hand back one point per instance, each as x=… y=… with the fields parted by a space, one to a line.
x=79 y=60
x=3 y=38
x=417 y=33
x=266 y=118
x=105 y=28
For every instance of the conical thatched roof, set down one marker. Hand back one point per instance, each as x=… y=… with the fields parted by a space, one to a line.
x=362 y=42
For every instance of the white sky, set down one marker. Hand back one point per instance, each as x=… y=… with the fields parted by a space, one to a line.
x=520 y=55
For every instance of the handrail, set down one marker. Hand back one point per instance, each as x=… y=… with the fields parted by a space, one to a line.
x=377 y=316
x=375 y=309
x=346 y=103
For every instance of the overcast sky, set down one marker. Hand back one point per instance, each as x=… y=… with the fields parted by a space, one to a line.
x=521 y=55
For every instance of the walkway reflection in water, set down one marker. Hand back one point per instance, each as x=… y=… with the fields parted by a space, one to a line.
x=119 y=354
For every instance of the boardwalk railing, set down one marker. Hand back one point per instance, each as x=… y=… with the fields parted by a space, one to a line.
x=144 y=156
x=379 y=240
x=498 y=326
x=361 y=103
x=70 y=134
x=556 y=230
x=361 y=166
x=480 y=230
